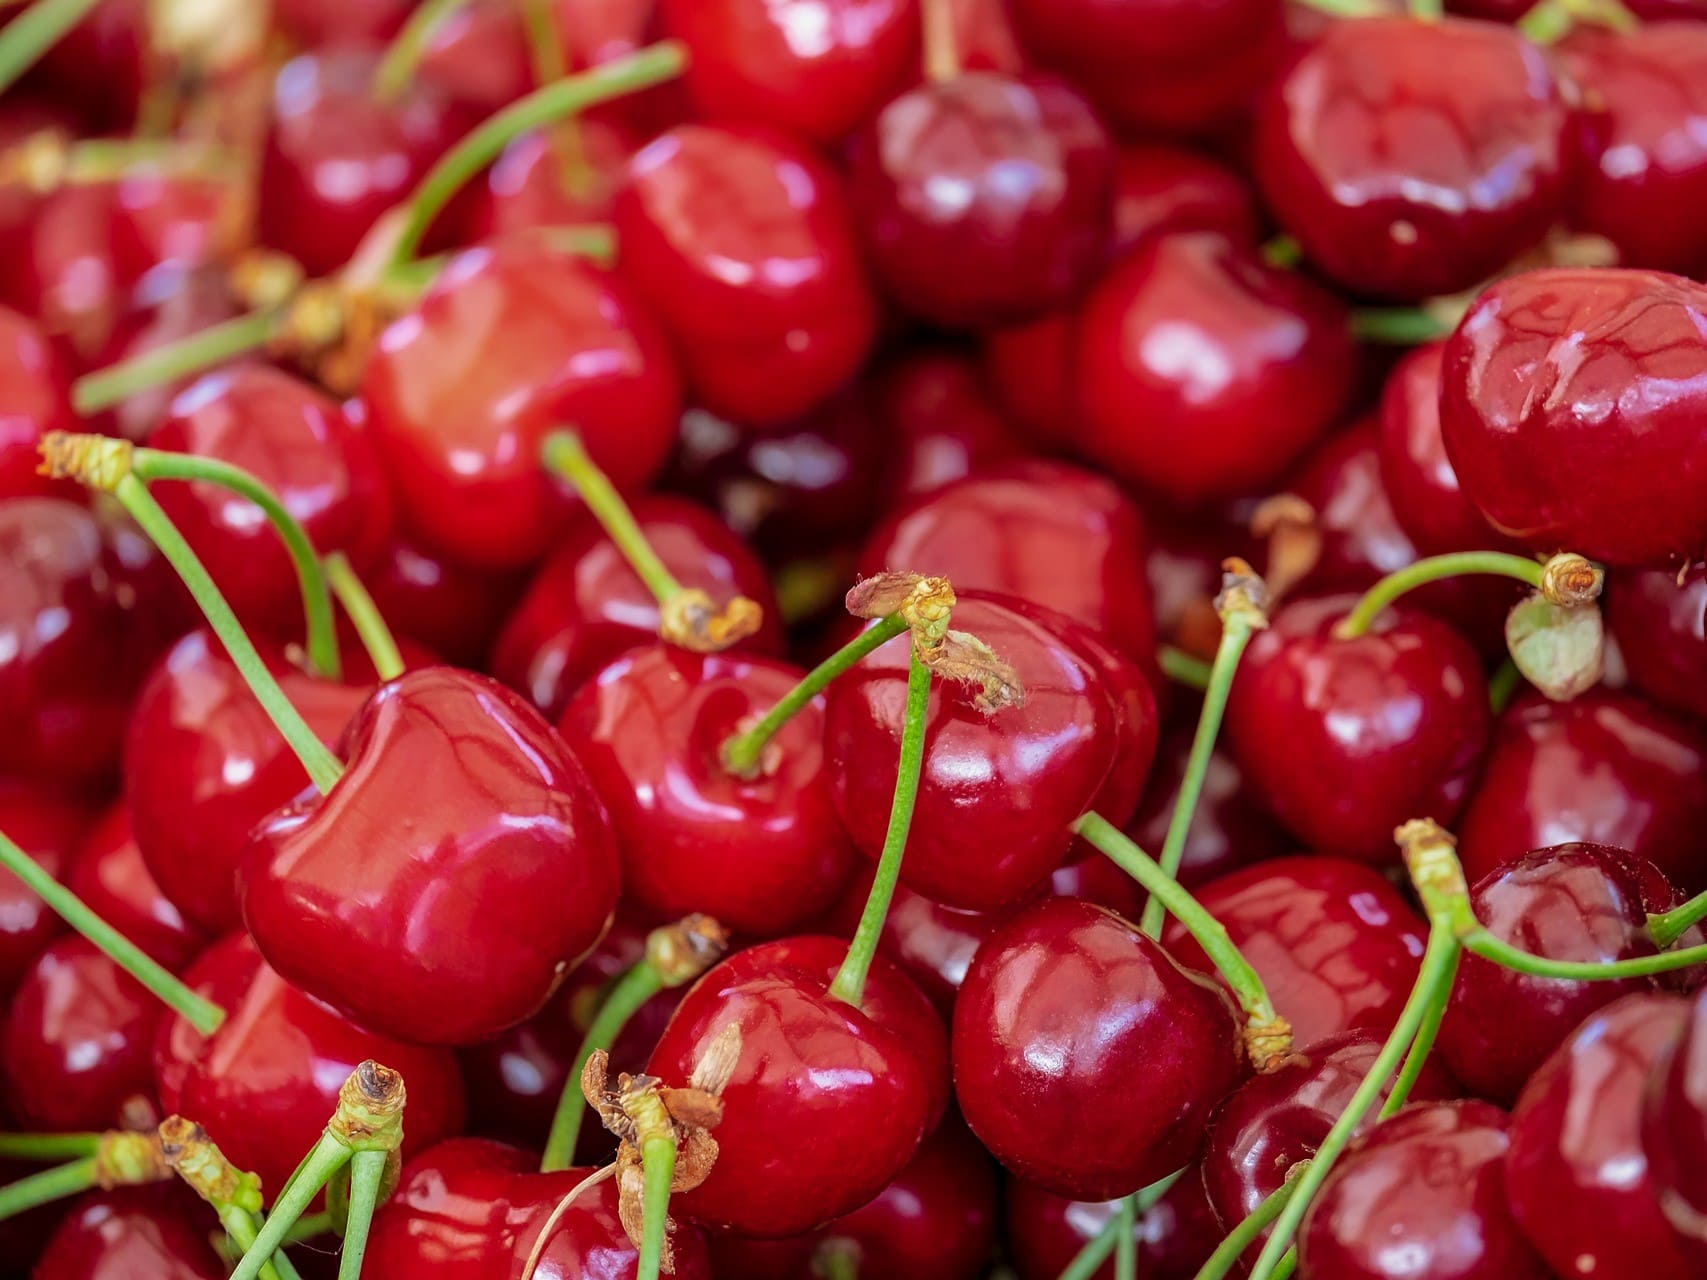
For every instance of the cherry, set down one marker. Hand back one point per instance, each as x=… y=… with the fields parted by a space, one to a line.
x=1607 y=768
x=478 y=55
x=1184 y=570
x=1396 y=717
x=313 y=23
x=64 y=268
x=586 y=606
x=264 y=1084
x=452 y=609
x=1566 y=408
x=1045 y=1232
x=100 y=65
x=1660 y=625
x=740 y=240
x=34 y=399
x=1576 y=1174
x=1427 y=1186
x=1674 y=1126
x=1336 y=946
x=827 y=1099
x=1573 y=902
x=985 y=198
x=133 y=1231
x=1203 y=371
x=1031 y=369
x=110 y=876
x=46 y=824
x=946 y=424
x=526 y=189
x=508 y=344
x=512 y=857
x=1160 y=188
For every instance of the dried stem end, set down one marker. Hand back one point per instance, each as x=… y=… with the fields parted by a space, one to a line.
x=99 y=462
x=926 y=605
x=201 y=1164
x=1431 y=856
x=370 y=1109
x=689 y=620
x=125 y=1159
x=1269 y=1043
x=680 y=952
x=1243 y=595
x=1289 y=525
x=1569 y=580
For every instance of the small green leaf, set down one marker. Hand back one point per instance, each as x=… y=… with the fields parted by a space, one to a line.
x=1561 y=651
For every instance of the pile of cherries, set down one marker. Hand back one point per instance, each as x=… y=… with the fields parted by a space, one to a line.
x=858 y=639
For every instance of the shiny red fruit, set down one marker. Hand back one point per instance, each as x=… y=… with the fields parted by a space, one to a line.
x=34 y=399
x=1175 y=1237
x=156 y=1232
x=526 y=189
x=1660 y=626
x=451 y=608
x=1160 y=188
x=946 y=424
x=1674 y=1126
x=114 y=882
x=46 y=824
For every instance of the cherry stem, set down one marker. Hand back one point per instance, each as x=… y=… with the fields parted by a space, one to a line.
x=397 y=67
x=1666 y=927
x=33 y=32
x=942 y=52
x=639 y=70
x=1426 y=10
x=325 y=1159
x=308 y=1227
x=1478 y=941
x=47 y=1186
x=629 y=992
x=199 y=1012
x=1502 y=685
x=849 y=984
x=1434 y=1012
x=595 y=240
x=1095 y=1251
x=322 y=632
x=567 y=458
x=1126 y=1239
x=658 y=1169
x=1251 y=1227
x=367 y=1176
x=550 y=63
x=365 y=616
x=1434 y=569
x=47 y=1146
x=743 y=751
x=242 y=1227
x=1183 y=668
x=212 y=346
x=234 y=1195
x=1397 y=326
x=1348 y=8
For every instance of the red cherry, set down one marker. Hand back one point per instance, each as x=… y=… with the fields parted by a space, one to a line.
x=932 y=944
x=1031 y=368
x=64 y=268
x=1674 y=1126
x=1184 y=571
x=985 y=198
x=525 y=187
x=313 y=23
x=1175 y=1237
x=34 y=393
x=826 y=1099
x=475 y=825
x=101 y=64
x=111 y=878
x=1205 y=372
x=133 y=1231
x=266 y=1082
x=47 y=825
x=740 y=240
x=452 y=609
x=478 y=56
x=1660 y=625
x=1160 y=188
x=508 y=344
x=946 y=424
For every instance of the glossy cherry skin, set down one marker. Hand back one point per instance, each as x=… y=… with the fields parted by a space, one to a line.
x=78 y=1043
x=34 y=399
x=452 y=609
x=826 y=1099
x=1160 y=188
x=1411 y=159
x=508 y=344
x=1346 y=738
x=1205 y=372
x=985 y=198
x=1674 y=1125
x=1063 y=1002
x=525 y=187
x=112 y=879
x=1578 y=902
x=468 y=1209
x=156 y=1232
x=204 y=764
x=45 y=823
x=1569 y=403
x=586 y=606
x=997 y=791
x=1426 y=1186
x=1576 y=1174
x=749 y=63
x=1335 y=944
x=741 y=242
x=1660 y=625
x=512 y=857
x=1045 y=1232
x=267 y=1081
x=1607 y=768
x=946 y=424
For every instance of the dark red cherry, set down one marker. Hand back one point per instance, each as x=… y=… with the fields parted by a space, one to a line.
x=947 y=426
x=1160 y=188
x=1424 y=1190
x=1203 y=371
x=1660 y=625
x=1335 y=944
x=1031 y=367
x=1674 y=1126
x=740 y=241
x=451 y=608
x=1570 y=403
x=155 y=1232
x=34 y=399
x=1576 y=1174
x=267 y=1081
x=112 y=879
x=1175 y=1237
x=64 y=268
x=1578 y=902
x=46 y=823
x=508 y=344
x=1085 y=1058
x=526 y=187
x=1345 y=738
x=586 y=606
x=475 y=824
x=1607 y=768
x=932 y=944
x=1410 y=159
x=985 y=198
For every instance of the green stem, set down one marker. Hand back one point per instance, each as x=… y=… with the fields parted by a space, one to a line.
x=632 y=990
x=1434 y=1011
x=742 y=752
x=1283 y=252
x=391 y=77
x=367 y=1173
x=1348 y=8
x=322 y=766
x=33 y=32
x=1183 y=668
x=200 y=1013
x=1396 y=326
x=1480 y=942
x=565 y=456
x=640 y=70
x=550 y=64
x=1546 y=23
x=309 y=1227
x=365 y=616
x=328 y=1156
x=658 y=1167
x=47 y=1146
x=849 y=984
x=322 y=633
x=241 y=1226
x=1426 y=10
x=1094 y=1252
x=1434 y=569
x=46 y=1187
x=1250 y=1228
x=1502 y=685
x=1126 y=1240
x=212 y=346
x=1666 y=927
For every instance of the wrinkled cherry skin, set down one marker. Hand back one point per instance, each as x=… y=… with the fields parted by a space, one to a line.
x=267 y=1081
x=513 y=858
x=112 y=879
x=1160 y=188
x=451 y=608
x=827 y=1100
x=1674 y=1125
x=1411 y=159
x=1085 y=1058
x=997 y=791
x=1579 y=902
x=1607 y=768
x=586 y=606
x=46 y=824
x=1205 y=372
x=1660 y=625
x=298 y=443
x=748 y=62
x=947 y=425
x=204 y=765
x=508 y=344
x=1571 y=403
x=159 y=1232
x=1344 y=739
x=741 y=242
x=1576 y=1173
x=985 y=198
x=34 y=399
x=1335 y=944
x=762 y=856
x=468 y=1209
x=1045 y=1231
x=1428 y=1186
